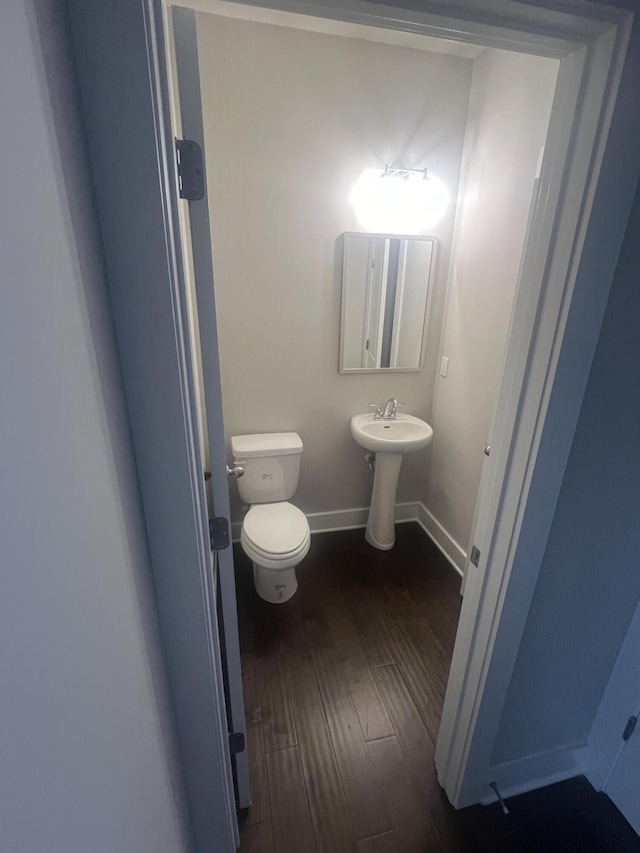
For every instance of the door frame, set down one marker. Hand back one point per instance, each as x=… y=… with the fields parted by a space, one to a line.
x=186 y=114
x=118 y=59
x=214 y=716
x=554 y=336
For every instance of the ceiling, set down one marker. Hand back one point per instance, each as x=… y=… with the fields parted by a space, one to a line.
x=333 y=27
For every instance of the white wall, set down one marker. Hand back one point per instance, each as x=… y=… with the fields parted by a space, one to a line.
x=509 y=108
x=87 y=755
x=292 y=118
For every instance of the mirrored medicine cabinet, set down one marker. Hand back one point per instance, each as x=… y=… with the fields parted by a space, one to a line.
x=386 y=287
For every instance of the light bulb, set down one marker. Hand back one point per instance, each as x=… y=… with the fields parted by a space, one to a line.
x=399 y=204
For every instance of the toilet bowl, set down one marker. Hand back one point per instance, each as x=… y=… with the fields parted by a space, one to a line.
x=275 y=533
x=276 y=537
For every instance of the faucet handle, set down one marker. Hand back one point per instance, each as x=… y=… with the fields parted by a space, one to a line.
x=378 y=409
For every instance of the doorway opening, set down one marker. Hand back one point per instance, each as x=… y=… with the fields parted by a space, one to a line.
x=292 y=117
x=536 y=313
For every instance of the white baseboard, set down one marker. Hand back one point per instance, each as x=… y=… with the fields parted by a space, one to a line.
x=456 y=555
x=536 y=771
x=327 y=522
x=350 y=519
x=343 y=519
x=339 y=519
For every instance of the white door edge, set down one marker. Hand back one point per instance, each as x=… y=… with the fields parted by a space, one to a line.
x=197 y=215
x=159 y=82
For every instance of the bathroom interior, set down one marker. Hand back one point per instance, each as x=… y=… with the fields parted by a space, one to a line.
x=295 y=110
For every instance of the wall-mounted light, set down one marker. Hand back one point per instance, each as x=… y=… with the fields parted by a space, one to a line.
x=399 y=201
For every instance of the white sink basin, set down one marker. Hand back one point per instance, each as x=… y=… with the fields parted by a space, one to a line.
x=398 y=435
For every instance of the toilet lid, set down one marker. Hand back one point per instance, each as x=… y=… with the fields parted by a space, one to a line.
x=277 y=528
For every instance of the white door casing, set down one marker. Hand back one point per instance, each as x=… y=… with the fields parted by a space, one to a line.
x=118 y=49
x=195 y=216
x=156 y=33
x=522 y=478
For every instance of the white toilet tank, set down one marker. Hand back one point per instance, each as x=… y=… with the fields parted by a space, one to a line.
x=271 y=463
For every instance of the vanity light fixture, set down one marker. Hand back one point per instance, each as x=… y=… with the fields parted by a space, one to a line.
x=391 y=172
x=399 y=201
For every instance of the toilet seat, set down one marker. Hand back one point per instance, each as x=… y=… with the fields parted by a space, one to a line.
x=275 y=535
x=277 y=563
x=277 y=529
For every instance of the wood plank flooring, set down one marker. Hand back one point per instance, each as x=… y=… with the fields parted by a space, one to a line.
x=344 y=687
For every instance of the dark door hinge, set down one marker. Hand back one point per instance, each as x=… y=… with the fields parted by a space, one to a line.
x=236 y=742
x=219 y=533
x=475 y=556
x=629 y=728
x=190 y=169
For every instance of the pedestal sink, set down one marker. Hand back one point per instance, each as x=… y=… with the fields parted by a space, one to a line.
x=389 y=439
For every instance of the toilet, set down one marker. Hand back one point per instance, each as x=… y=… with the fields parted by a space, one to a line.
x=275 y=533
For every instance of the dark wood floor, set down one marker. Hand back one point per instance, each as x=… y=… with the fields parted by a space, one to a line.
x=343 y=689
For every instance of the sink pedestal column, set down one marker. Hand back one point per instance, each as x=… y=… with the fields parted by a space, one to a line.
x=381 y=525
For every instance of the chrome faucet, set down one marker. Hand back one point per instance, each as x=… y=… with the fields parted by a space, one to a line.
x=390 y=408
x=387 y=411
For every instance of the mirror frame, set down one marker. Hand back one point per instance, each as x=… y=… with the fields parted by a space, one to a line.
x=343 y=305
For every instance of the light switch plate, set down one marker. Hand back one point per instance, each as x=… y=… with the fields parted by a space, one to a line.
x=444 y=366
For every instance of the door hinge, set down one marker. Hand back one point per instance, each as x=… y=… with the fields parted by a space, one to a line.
x=629 y=728
x=219 y=533
x=190 y=169
x=236 y=742
x=475 y=556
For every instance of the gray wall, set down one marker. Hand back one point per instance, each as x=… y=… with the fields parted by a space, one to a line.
x=589 y=584
x=292 y=118
x=87 y=752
